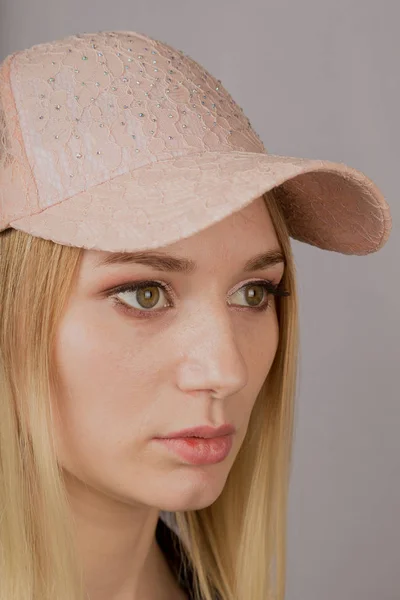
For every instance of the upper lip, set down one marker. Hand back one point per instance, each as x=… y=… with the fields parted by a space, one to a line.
x=204 y=431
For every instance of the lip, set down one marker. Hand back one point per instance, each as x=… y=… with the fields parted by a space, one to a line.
x=203 y=431
x=199 y=451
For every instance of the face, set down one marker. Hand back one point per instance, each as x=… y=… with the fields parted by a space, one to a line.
x=144 y=367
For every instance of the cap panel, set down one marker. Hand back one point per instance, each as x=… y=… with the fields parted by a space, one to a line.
x=18 y=191
x=96 y=106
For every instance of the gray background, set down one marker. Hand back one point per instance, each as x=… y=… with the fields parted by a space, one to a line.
x=317 y=79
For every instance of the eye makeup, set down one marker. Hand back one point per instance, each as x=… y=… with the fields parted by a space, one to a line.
x=267 y=287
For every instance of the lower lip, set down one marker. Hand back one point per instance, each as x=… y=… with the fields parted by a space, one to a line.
x=200 y=451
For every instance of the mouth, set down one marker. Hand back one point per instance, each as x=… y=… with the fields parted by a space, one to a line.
x=198 y=450
x=202 y=432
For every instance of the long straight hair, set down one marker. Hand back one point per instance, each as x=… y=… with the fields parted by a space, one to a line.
x=237 y=545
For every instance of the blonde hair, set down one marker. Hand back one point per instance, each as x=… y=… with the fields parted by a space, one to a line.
x=237 y=545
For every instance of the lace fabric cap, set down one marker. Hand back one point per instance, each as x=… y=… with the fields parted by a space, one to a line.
x=116 y=141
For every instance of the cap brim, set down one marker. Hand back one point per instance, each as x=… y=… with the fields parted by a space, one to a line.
x=326 y=204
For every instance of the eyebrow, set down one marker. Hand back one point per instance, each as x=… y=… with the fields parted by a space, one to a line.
x=176 y=264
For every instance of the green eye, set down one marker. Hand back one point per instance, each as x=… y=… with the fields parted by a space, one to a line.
x=148 y=295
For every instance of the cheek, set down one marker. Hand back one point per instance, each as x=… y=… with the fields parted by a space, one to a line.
x=261 y=347
x=98 y=408
x=84 y=360
x=262 y=343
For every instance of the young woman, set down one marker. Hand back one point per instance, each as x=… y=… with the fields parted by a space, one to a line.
x=148 y=287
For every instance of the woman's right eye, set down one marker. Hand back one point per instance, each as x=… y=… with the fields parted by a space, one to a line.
x=147 y=294
x=142 y=297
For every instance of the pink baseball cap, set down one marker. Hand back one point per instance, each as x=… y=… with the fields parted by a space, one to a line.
x=118 y=142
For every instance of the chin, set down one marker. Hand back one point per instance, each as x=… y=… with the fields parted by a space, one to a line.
x=188 y=492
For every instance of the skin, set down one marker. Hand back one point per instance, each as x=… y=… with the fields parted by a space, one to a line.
x=126 y=379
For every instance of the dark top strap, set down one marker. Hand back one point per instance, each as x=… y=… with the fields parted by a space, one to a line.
x=166 y=537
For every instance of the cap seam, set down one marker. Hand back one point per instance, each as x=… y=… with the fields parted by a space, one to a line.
x=13 y=70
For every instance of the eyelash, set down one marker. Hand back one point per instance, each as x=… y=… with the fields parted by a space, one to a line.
x=267 y=285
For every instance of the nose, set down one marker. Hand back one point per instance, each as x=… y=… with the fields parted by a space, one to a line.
x=211 y=356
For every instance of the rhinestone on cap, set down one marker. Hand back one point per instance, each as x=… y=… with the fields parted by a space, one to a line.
x=152 y=83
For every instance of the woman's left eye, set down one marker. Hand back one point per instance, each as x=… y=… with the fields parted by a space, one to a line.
x=148 y=295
